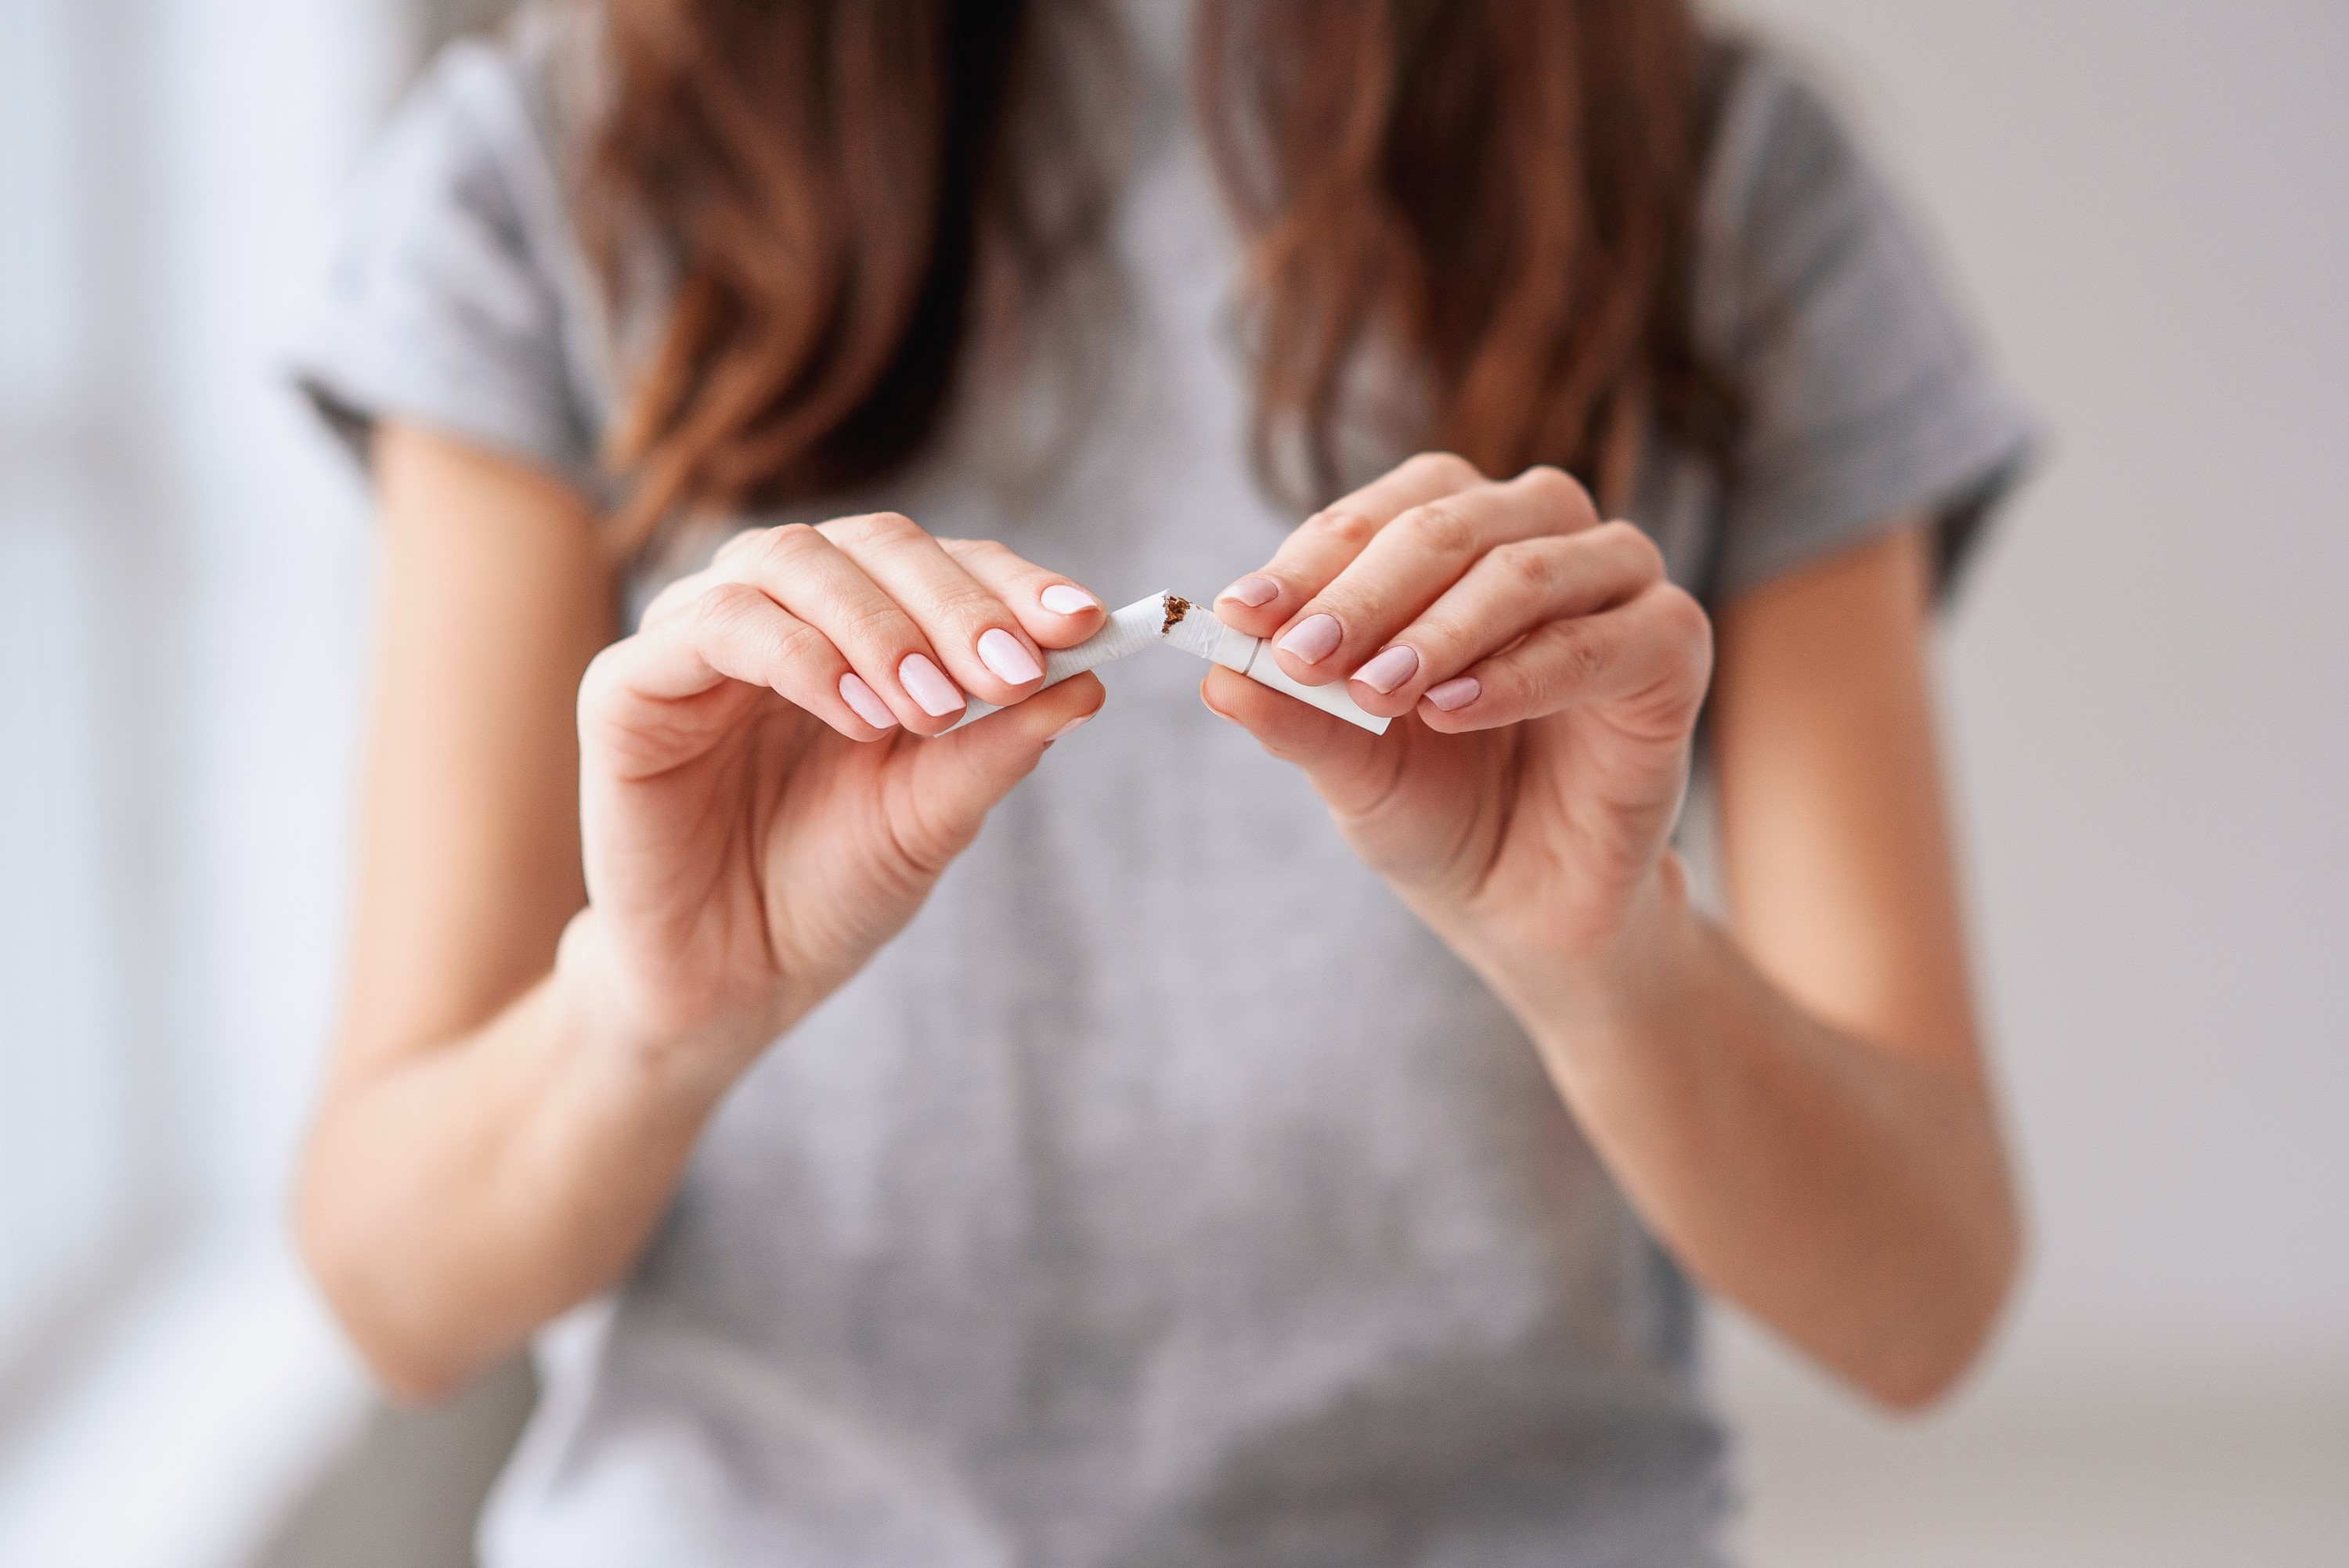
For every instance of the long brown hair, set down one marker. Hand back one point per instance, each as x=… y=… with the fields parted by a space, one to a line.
x=1503 y=190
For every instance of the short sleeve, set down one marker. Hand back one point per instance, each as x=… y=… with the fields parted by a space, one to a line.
x=1866 y=398
x=446 y=301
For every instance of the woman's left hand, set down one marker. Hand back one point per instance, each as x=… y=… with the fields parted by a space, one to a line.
x=1545 y=680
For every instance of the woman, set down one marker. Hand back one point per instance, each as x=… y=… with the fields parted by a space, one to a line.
x=1153 y=1152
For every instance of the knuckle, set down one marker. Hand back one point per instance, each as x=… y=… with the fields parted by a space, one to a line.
x=780 y=550
x=738 y=616
x=1531 y=684
x=1633 y=540
x=1440 y=636
x=1684 y=618
x=736 y=613
x=796 y=643
x=1556 y=489
x=1525 y=567
x=874 y=528
x=1578 y=659
x=1547 y=481
x=879 y=624
x=964 y=605
x=1441 y=529
x=1342 y=525
x=726 y=605
x=1444 y=467
x=1510 y=686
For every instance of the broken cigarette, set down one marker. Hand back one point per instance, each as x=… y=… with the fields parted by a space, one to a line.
x=1178 y=622
x=1197 y=631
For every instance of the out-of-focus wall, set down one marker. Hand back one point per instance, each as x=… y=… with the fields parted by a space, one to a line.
x=2149 y=678
x=196 y=150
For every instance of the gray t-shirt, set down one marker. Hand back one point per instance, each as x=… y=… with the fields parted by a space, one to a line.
x=1094 y=1223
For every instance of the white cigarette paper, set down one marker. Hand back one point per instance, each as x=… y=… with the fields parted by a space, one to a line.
x=1179 y=623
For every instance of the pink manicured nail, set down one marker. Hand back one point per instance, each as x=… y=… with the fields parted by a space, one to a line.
x=1001 y=652
x=1313 y=639
x=1062 y=600
x=1064 y=729
x=1390 y=670
x=1254 y=589
x=868 y=705
x=1455 y=693
x=927 y=685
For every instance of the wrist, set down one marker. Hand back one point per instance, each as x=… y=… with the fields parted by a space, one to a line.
x=1562 y=990
x=683 y=1065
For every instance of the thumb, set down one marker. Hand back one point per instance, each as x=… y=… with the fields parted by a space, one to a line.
x=1349 y=766
x=949 y=784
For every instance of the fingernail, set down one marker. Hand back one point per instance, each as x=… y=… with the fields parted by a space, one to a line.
x=1253 y=590
x=1062 y=600
x=1003 y=653
x=867 y=704
x=1064 y=729
x=1313 y=639
x=1457 y=692
x=927 y=685
x=1390 y=670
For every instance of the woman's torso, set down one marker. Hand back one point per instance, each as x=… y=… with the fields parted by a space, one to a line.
x=1166 y=1193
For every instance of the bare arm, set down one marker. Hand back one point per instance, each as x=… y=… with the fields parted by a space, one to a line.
x=1803 y=1118
x=456 y=1081
x=521 y=1080
x=1804 y=1113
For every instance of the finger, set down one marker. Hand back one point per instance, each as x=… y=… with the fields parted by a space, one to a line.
x=1511 y=590
x=1412 y=561
x=804 y=571
x=936 y=806
x=1653 y=656
x=980 y=641
x=1345 y=763
x=732 y=632
x=1056 y=611
x=1321 y=547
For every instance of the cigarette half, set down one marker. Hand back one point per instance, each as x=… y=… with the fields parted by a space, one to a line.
x=1180 y=622
x=1129 y=631
x=1199 y=632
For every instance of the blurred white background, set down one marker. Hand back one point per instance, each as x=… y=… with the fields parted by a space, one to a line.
x=2150 y=683
x=2149 y=202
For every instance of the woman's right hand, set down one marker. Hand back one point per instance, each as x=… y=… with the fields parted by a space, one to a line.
x=761 y=808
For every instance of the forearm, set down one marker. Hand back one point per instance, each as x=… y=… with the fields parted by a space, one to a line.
x=458 y=1197
x=1854 y=1198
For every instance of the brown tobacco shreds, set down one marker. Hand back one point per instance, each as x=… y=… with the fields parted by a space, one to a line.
x=1176 y=608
